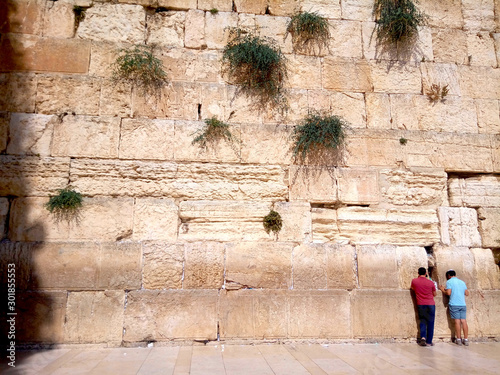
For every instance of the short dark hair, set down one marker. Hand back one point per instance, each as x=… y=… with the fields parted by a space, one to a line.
x=450 y=273
x=422 y=271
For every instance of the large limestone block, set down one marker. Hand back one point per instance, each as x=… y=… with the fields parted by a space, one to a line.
x=166 y=29
x=190 y=181
x=378 y=111
x=275 y=28
x=223 y=220
x=113 y=23
x=22 y=16
x=309 y=265
x=30 y=53
x=17 y=92
x=217 y=150
x=341 y=267
x=194 y=36
x=396 y=79
x=116 y=99
x=142 y=138
x=359 y=10
x=377 y=267
x=409 y=260
x=32 y=175
x=347 y=75
x=94 y=317
x=304 y=72
x=414 y=187
x=324 y=225
x=259 y=264
x=441 y=74
x=346 y=39
x=481 y=49
x=325 y=8
x=102 y=57
x=358 y=186
x=486 y=270
x=171 y=314
x=204 y=265
x=486 y=313
x=250 y=6
x=320 y=314
x=155 y=219
x=120 y=266
x=349 y=106
x=478 y=191
x=220 y=5
x=19 y=254
x=4 y=210
x=217 y=28
x=296 y=217
x=177 y=4
x=266 y=143
x=214 y=101
x=282 y=7
x=312 y=184
x=418 y=227
x=460 y=259
x=459 y=226
x=488 y=119
x=65 y=94
x=30 y=134
x=101 y=135
x=99 y=219
x=163 y=265
x=442 y=14
x=489 y=226
x=59 y=20
x=254 y=314
x=449 y=45
x=372 y=311
x=479 y=15
x=479 y=82
x=4 y=130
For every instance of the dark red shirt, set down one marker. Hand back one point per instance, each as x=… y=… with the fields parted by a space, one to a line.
x=423 y=288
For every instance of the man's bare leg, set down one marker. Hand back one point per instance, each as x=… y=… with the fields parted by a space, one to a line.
x=465 y=327
x=458 y=329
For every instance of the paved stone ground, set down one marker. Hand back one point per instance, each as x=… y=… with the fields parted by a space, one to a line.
x=291 y=359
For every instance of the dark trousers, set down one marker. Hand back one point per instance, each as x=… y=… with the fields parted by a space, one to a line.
x=427 y=314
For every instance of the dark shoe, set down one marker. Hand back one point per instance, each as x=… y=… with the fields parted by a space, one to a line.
x=422 y=342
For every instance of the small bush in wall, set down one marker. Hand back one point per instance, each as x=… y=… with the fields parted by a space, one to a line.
x=437 y=93
x=403 y=141
x=272 y=222
x=213 y=131
x=257 y=65
x=318 y=132
x=65 y=205
x=307 y=29
x=214 y=11
x=138 y=66
x=397 y=20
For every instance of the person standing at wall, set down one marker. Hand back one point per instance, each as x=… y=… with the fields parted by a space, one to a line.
x=425 y=291
x=457 y=290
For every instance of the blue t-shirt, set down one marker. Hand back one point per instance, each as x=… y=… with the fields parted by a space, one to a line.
x=458 y=288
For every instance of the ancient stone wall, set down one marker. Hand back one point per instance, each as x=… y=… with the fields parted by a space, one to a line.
x=170 y=243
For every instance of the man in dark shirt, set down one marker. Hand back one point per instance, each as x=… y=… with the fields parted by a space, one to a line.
x=425 y=291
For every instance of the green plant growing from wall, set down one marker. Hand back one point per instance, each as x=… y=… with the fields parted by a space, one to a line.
x=65 y=205
x=214 y=130
x=139 y=67
x=318 y=132
x=437 y=93
x=403 y=141
x=308 y=29
x=214 y=11
x=397 y=20
x=273 y=222
x=257 y=66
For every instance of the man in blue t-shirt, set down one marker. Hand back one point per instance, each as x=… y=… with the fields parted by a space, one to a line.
x=457 y=290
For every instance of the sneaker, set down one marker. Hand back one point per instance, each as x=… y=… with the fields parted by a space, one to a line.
x=466 y=342
x=458 y=342
x=431 y=344
x=422 y=342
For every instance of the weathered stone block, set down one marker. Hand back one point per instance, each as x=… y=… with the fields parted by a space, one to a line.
x=377 y=267
x=359 y=10
x=102 y=135
x=194 y=34
x=4 y=130
x=214 y=101
x=250 y=6
x=479 y=191
x=59 y=94
x=30 y=134
x=99 y=219
x=59 y=20
x=22 y=16
x=489 y=226
x=274 y=28
x=17 y=92
x=409 y=260
x=378 y=111
x=155 y=219
x=349 y=106
x=304 y=72
x=146 y=139
x=94 y=317
x=163 y=265
x=178 y=4
x=32 y=175
x=443 y=14
x=259 y=264
x=102 y=57
x=309 y=263
x=4 y=210
x=486 y=312
x=283 y=7
x=265 y=144
x=459 y=226
x=220 y=5
x=460 y=259
x=341 y=267
x=324 y=225
x=312 y=184
x=116 y=99
x=479 y=82
x=346 y=75
x=204 y=265
x=481 y=49
x=485 y=269
x=113 y=23
x=223 y=220
x=217 y=28
x=19 y=254
x=168 y=315
x=414 y=187
x=373 y=322
x=296 y=218
x=167 y=29
x=449 y=45
x=442 y=74
x=488 y=120
x=325 y=8
x=478 y=16
x=120 y=266
x=398 y=79
x=358 y=186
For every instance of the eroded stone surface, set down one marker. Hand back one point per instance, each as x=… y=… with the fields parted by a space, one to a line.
x=460 y=259
x=204 y=265
x=30 y=134
x=162 y=265
x=166 y=29
x=155 y=219
x=377 y=267
x=480 y=191
x=459 y=226
x=486 y=271
x=489 y=226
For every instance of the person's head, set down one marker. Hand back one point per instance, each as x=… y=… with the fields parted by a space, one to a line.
x=450 y=274
x=422 y=271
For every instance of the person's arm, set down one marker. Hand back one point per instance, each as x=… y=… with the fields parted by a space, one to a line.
x=434 y=293
x=445 y=291
x=466 y=292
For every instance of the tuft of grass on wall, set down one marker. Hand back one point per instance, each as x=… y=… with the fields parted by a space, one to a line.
x=273 y=222
x=65 y=205
x=214 y=130
x=437 y=93
x=307 y=29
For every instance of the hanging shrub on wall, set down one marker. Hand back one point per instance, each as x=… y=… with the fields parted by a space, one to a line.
x=273 y=222
x=139 y=67
x=256 y=65
x=397 y=20
x=307 y=30
x=65 y=205
x=214 y=130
